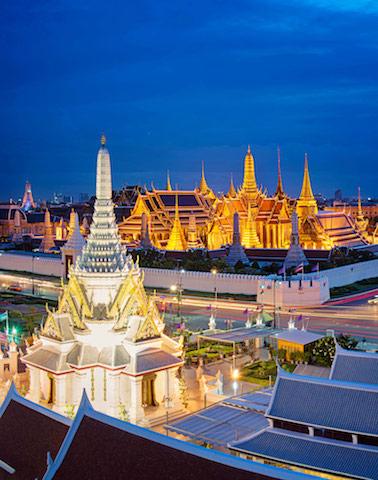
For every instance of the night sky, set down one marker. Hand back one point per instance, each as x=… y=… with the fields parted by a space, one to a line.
x=173 y=83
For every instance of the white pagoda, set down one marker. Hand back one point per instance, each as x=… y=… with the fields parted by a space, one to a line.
x=106 y=335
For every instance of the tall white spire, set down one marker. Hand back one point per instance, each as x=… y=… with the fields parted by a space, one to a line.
x=103 y=253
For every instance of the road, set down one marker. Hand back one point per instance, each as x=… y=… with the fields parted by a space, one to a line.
x=357 y=318
x=352 y=316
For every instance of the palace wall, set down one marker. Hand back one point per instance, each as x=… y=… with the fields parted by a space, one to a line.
x=340 y=276
x=293 y=292
x=34 y=263
x=196 y=281
x=202 y=281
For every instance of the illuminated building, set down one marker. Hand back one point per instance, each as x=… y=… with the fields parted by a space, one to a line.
x=106 y=335
x=27 y=201
x=265 y=221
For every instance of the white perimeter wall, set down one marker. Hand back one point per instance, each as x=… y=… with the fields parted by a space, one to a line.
x=340 y=276
x=196 y=281
x=42 y=265
x=202 y=281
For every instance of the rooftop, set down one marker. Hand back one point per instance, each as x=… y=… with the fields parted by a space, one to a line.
x=324 y=403
x=353 y=366
x=28 y=432
x=355 y=461
x=298 y=336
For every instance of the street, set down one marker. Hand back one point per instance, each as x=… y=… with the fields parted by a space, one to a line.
x=357 y=317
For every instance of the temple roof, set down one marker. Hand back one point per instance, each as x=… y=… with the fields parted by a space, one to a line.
x=28 y=432
x=298 y=336
x=98 y=446
x=354 y=366
x=324 y=403
x=322 y=454
x=153 y=359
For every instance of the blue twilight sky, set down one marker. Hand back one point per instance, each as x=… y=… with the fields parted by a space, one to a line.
x=173 y=83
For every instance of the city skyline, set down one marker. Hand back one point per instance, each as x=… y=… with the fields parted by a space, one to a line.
x=172 y=86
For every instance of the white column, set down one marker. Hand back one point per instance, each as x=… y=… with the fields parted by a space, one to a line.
x=136 y=410
x=78 y=386
x=169 y=390
x=113 y=402
x=60 y=393
x=35 y=384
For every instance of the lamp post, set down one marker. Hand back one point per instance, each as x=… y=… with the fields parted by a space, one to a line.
x=178 y=288
x=214 y=272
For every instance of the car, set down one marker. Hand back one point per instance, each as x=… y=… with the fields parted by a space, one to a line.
x=15 y=287
x=374 y=300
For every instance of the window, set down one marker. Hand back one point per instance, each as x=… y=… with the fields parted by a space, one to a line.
x=293 y=427
x=342 y=436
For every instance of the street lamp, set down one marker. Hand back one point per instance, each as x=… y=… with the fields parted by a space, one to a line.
x=214 y=272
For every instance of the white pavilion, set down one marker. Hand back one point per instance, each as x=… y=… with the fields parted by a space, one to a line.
x=106 y=335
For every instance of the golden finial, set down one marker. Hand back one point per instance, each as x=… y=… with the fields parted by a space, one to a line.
x=249 y=149
x=103 y=139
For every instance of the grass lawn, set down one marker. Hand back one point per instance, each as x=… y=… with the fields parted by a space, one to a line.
x=356 y=287
x=260 y=372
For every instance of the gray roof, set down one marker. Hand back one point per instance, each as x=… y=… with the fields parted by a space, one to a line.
x=238 y=335
x=353 y=366
x=312 y=371
x=48 y=358
x=83 y=355
x=325 y=403
x=154 y=359
x=356 y=461
x=298 y=336
x=235 y=418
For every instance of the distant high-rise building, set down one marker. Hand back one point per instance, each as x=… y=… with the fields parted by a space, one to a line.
x=67 y=199
x=338 y=196
x=57 y=198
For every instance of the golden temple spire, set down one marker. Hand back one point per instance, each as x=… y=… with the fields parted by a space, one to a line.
x=169 y=188
x=203 y=188
x=250 y=238
x=176 y=238
x=359 y=209
x=279 y=192
x=249 y=181
x=103 y=139
x=360 y=220
x=232 y=192
x=306 y=193
x=306 y=204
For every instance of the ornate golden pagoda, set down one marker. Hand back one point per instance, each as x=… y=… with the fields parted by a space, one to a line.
x=306 y=205
x=177 y=238
x=250 y=238
x=249 y=183
x=232 y=192
x=168 y=188
x=361 y=222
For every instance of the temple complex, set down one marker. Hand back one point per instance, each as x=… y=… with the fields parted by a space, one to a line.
x=106 y=336
x=265 y=221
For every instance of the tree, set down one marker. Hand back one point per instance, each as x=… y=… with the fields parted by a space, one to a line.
x=324 y=351
x=347 y=342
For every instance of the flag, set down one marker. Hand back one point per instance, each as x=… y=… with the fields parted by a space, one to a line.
x=316 y=268
x=3 y=316
x=208 y=308
x=300 y=318
x=281 y=271
x=245 y=311
x=3 y=337
x=299 y=268
x=292 y=310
